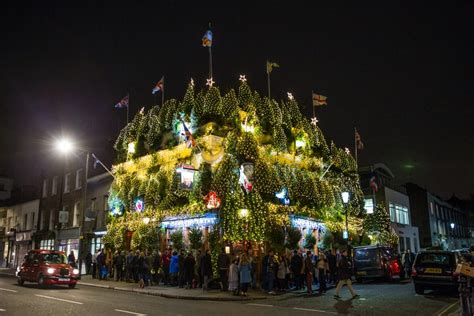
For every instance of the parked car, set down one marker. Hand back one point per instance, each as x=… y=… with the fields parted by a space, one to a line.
x=375 y=261
x=47 y=267
x=435 y=269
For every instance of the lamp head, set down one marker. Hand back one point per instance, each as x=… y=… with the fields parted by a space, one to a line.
x=345 y=197
x=64 y=146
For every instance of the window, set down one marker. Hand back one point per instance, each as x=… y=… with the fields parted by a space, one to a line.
x=32 y=220
x=54 y=186
x=415 y=244
x=42 y=221
x=67 y=179
x=78 y=179
x=401 y=243
x=368 y=205
x=25 y=222
x=76 y=221
x=399 y=214
x=51 y=219
x=431 y=208
x=45 y=188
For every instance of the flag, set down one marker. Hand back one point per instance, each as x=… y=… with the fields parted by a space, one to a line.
x=270 y=66
x=123 y=103
x=359 y=143
x=190 y=142
x=319 y=100
x=160 y=86
x=373 y=183
x=96 y=160
x=207 y=39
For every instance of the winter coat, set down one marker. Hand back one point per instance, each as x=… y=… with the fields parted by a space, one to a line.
x=188 y=267
x=323 y=262
x=206 y=265
x=156 y=262
x=296 y=264
x=174 y=264
x=233 y=277
x=281 y=273
x=344 y=268
x=308 y=265
x=245 y=273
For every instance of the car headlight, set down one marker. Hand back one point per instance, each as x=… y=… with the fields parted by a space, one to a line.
x=50 y=270
x=75 y=271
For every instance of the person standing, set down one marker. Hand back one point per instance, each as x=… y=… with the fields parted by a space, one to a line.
x=102 y=270
x=332 y=264
x=94 y=264
x=181 y=258
x=129 y=266
x=165 y=263
x=88 y=262
x=322 y=268
x=245 y=274
x=206 y=269
x=71 y=259
x=234 y=277
x=407 y=263
x=174 y=268
x=281 y=272
x=188 y=268
x=308 y=270
x=119 y=265
x=344 y=270
x=156 y=266
x=223 y=263
x=296 y=265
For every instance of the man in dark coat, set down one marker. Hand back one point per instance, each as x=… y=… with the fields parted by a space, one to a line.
x=119 y=261
x=345 y=270
x=101 y=264
x=223 y=263
x=188 y=266
x=88 y=262
x=181 y=258
x=296 y=265
x=206 y=269
x=156 y=264
x=332 y=262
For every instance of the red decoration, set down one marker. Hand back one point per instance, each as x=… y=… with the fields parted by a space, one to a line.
x=212 y=200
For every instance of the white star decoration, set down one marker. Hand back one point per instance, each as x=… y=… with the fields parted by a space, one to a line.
x=314 y=121
x=192 y=82
x=290 y=96
x=347 y=150
x=142 y=110
x=209 y=82
x=242 y=78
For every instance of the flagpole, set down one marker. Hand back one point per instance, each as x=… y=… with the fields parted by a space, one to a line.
x=163 y=92
x=268 y=81
x=128 y=106
x=210 y=62
x=312 y=103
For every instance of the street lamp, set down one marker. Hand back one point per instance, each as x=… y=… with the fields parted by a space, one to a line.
x=345 y=200
x=64 y=146
x=452 y=225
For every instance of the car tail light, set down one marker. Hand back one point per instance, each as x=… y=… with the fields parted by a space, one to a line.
x=395 y=267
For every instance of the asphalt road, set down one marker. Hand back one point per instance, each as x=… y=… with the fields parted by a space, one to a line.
x=376 y=299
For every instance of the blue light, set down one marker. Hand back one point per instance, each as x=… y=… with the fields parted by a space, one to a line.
x=183 y=222
x=139 y=204
x=282 y=196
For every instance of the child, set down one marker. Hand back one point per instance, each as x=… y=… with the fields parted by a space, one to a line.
x=234 y=277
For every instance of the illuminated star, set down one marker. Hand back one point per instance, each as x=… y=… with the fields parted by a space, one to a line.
x=314 y=121
x=290 y=96
x=347 y=150
x=142 y=110
x=242 y=78
x=192 y=82
x=209 y=82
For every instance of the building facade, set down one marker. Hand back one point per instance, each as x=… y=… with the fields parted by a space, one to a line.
x=6 y=187
x=441 y=224
x=377 y=183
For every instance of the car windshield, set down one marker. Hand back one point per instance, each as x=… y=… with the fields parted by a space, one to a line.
x=365 y=254
x=434 y=258
x=54 y=258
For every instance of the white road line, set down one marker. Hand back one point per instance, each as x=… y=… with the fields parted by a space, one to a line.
x=59 y=299
x=264 y=305
x=128 y=312
x=8 y=290
x=2 y=310
x=313 y=310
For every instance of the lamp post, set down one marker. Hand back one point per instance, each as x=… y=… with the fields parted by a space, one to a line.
x=452 y=234
x=345 y=200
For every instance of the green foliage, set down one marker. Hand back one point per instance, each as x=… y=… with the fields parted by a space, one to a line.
x=195 y=238
x=276 y=237
x=246 y=102
x=257 y=218
x=293 y=237
x=176 y=238
x=188 y=102
x=309 y=241
x=379 y=221
x=247 y=148
x=145 y=237
x=225 y=180
x=229 y=105
x=266 y=180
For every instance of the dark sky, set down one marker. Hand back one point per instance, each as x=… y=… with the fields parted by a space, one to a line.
x=401 y=72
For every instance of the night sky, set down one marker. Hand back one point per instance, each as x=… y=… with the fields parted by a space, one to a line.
x=401 y=72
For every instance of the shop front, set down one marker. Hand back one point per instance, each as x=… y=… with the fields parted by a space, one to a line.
x=96 y=241
x=23 y=244
x=68 y=240
x=204 y=222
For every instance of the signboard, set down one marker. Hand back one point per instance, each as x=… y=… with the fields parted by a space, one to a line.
x=63 y=217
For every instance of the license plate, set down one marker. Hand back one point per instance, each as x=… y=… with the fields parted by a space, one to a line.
x=63 y=279
x=361 y=273
x=433 y=270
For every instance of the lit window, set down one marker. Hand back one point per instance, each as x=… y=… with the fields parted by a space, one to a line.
x=45 y=188
x=78 y=179
x=369 y=206
x=67 y=179
x=54 y=186
x=399 y=214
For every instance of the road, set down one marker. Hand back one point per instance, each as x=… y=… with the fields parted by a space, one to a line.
x=376 y=299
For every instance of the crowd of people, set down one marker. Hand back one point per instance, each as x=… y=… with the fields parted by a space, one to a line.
x=282 y=271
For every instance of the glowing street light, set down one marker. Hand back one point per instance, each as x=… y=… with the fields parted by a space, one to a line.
x=345 y=200
x=64 y=146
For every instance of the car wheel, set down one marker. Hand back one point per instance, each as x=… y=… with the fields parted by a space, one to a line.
x=41 y=281
x=72 y=285
x=419 y=289
x=20 y=280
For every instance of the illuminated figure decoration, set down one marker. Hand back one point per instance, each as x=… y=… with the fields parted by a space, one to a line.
x=116 y=206
x=283 y=197
x=212 y=200
x=139 y=204
x=246 y=174
x=188 y=136
x=187 y=176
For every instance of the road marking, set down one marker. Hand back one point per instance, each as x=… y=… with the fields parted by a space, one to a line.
x=313 y=310
x=263 y=305
x=444 y=310
x=128 y=312
x=58 y=299
x=8 y=290
x=2 y=310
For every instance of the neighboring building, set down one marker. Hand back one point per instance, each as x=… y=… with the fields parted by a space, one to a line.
x=6 y=187
x=19 y=224
x=441 y=224
x=377 y=183
x=467 y=206
x=98 y=188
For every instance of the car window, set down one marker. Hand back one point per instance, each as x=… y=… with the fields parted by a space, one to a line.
x=434 y=258
x=54 y=258
x=364 y=254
